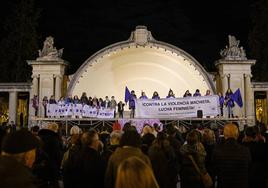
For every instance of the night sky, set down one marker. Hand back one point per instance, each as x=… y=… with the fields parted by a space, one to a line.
x=200 y=28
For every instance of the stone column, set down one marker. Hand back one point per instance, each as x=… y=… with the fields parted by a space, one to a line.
x=224 y=83
x=35 y=85
x=58 y=87
x=12 y=108
x=248 y=101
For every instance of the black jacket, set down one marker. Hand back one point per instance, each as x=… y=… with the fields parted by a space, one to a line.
x=53 y=148
x=14 y=174
x=231 y=164
x=84 y=169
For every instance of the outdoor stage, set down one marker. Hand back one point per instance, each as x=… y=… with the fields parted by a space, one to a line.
x=66 y=123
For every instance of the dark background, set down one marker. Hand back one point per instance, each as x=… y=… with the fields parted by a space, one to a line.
x=201 y=28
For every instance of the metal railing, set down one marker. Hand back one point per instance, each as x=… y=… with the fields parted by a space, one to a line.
x=66 y=123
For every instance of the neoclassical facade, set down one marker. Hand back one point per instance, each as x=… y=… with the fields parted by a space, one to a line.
x=143 y=63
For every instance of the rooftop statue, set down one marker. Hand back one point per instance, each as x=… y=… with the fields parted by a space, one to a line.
x=233 y=51
x=49 y=51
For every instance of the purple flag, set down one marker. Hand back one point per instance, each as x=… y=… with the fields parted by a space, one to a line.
x=237 y=98
x=127 y=94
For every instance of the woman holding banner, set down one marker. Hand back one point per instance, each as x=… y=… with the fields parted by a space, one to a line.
x=170 y=94
x=61 y=104
x=143 y=95
x=155 y=95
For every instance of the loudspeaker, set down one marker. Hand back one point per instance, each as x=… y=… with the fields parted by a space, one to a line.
x=199 y=113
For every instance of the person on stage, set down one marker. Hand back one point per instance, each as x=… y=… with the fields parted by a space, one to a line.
x=208 y=92
x=68 y=106
x=90 y=103
x=106 y=102
x=170 y=94
x=44 y=103
x=143 y=95
x=35 y=104
x=69 y=100
x=120 y=108
x=84 y=100
x=52 y=108
x=76 y=100
x=101 y=103
x=52 y=100
x=229 y=102
x=113 y=105
x=155 y=95
x=132 y=106
x=77 y=107
x=95 y=102
x=61 y=104
x=197 y=93
x=187 y=94
x=221 y=102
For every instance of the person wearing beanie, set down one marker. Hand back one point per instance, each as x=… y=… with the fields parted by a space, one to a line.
x=17 y=158
x=21 y=146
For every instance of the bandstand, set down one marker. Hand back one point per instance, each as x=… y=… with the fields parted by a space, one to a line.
x=143 y=63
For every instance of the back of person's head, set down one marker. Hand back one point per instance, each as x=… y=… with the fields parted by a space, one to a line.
x=251 y=132
x=35 y=129
x=171 y=130
x=131 y=138
x=127 y=126
x=21 y=146
x=53 y=127
x=230 y=131
x=209 y=136
x=75 y=130
x=104 y=129
x=116 y=126
x=192 y=137
x=115 y=137
x=147 y=129
x=161 y=140
x=156 y=126
x=147 y=140
x=88 y=138
x=135 y=173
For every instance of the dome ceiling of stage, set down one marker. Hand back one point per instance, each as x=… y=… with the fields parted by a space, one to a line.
x=142 y=64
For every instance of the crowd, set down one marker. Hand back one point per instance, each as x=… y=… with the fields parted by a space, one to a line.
x=69 y=106
x=124 y=158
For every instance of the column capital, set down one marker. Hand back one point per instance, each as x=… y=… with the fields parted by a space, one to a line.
x=11 y=92
x=247 y=75
x=35 y=76
x=224 y=76
x=57 y=76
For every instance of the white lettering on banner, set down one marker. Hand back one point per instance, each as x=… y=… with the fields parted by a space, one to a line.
x=77 y=110
x=106 y=113
x=177 y=107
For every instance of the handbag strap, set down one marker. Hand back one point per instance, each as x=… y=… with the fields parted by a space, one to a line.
x=195 y=165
